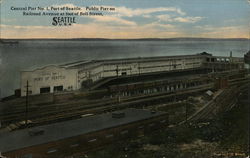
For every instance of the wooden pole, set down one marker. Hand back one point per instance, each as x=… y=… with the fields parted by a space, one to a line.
x=26 y=104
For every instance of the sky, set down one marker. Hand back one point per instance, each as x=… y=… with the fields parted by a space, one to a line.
x=131 y=19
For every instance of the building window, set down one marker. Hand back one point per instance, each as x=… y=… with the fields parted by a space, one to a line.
x=74 y=145
x=45 y=90
x=58 y=88
x=51 y=151
x=26 y=156
x=92 y=140
x=152 y=124
x=140 y=127
x=109 y=136
x=124 y=73
x=124 y=132
x=163 y=121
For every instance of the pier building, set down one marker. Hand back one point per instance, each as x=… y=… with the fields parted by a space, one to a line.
x=83 y=74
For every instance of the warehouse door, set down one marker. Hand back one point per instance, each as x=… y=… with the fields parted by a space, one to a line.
x=58 y=88
x=124 y=73
x=45 y=90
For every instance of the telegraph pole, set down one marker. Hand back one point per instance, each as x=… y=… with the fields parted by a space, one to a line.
x=186 y=111
x=139 y=67
x=117 y=71
x=26 y=104
x=230 y=61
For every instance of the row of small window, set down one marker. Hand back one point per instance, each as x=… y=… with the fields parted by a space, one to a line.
x=218 y=59
x=82 y=71
x=160 y=66
x=152 y=124
x=149 y=61
x=125 y=69
x=195 y=63
x=107 y=136
x=89 y=141
x=56 y=89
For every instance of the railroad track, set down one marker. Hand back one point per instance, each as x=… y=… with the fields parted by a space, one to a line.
x=54 y=113
x=135 y=102
x=223 y=102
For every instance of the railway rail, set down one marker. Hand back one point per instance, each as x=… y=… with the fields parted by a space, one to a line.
x=56 y=113
x=223 y=102
x=43 y=114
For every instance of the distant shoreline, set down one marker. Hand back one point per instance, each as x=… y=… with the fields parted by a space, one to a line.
x=138 y=39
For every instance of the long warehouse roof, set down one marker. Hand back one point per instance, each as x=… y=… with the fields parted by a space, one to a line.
x=19 y=139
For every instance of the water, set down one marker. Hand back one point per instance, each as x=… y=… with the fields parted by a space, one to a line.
x=33 y=54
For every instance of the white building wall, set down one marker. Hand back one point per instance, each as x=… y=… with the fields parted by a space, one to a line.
x=96 y=73
x=114 y=69
x=71 y=79
x=166 y=64
x=49 y=76
x=83 y=75
x=193 y=62
x=93 y=71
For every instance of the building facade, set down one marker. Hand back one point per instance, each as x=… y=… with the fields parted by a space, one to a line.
x=48 y=80
x=74 y=76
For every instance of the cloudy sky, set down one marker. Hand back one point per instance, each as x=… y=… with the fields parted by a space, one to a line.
x=132 y=19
